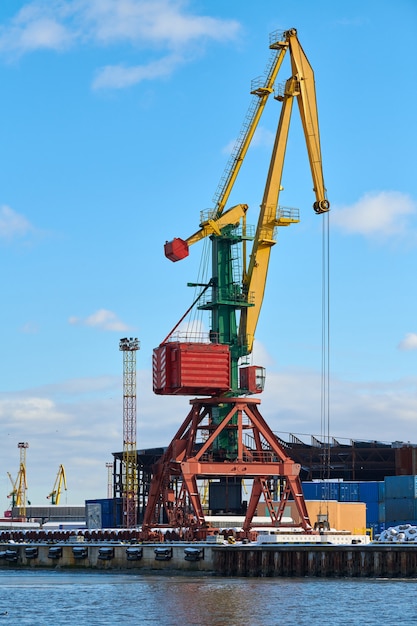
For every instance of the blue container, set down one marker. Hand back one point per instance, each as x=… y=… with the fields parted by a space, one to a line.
x=310 y=490
x=372 y=513
x=381 y=512
x=329 y=491
x=377 y=528
x=400 y=487
x=349 y=492
x=398 y=509
x=381 y=491
x=412 y=522
x=111 y=512
x=325 y=490
x=369 y=491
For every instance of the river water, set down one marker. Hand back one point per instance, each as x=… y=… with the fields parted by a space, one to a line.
x=58 y=597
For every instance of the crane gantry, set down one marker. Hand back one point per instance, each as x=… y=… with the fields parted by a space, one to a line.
x=224 y=435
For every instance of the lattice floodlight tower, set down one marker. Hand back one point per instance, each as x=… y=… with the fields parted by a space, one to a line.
x=129 y=465
x=224 y=435
x=109 y=467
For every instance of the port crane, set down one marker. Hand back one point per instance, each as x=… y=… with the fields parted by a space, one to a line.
x=14 y=492
x=224 y=435
x=19 y=486
x=60 y=481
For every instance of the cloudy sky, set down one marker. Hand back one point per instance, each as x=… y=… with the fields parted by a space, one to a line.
x=117 y=122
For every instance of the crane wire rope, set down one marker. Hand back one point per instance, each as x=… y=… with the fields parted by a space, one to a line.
x=325 y=359
x=196 y=324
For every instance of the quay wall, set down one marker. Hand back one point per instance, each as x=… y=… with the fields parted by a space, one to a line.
x=243 y=560
x=342 y=561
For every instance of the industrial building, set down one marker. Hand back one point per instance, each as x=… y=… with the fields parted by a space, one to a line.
x=351 y=462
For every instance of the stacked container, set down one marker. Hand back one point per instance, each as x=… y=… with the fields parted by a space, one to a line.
x=372 y=493
x=400 y=500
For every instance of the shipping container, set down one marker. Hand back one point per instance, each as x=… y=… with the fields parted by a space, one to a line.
x=401 y=522
x=349 y=492
x=377 y=528
x=369 y=491
x=372 y=513
x=381 y=491
x=191 y=369
x=381 y=511
x=104 y=513
x=400 y=487
x=323 y=490
x=400 y=508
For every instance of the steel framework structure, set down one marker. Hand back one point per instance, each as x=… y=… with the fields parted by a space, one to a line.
x=130 y=481
x=197 y=453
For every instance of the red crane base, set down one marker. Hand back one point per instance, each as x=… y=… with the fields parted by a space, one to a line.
x=196 y=454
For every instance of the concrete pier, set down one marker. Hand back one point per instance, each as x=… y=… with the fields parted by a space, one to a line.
x=250 y=560
x=82 y=555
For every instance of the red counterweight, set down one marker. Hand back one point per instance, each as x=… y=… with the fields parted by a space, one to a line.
x=176 y=249
x=191 y=369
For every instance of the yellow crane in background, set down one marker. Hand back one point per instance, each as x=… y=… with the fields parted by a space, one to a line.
x=61 y=480
x=19 y=486
x=13 y=493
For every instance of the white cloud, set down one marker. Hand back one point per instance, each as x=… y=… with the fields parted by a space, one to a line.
x=155 y=21
x=382 y=214
x=263 y=138
x=30 y=328
x=261 y=355
x=22 y=411
x=409 y=342
x=35 y=27
x=119 y=76
x=12 y=224
x=102 y=319
x=44 y=33
x=166 y=25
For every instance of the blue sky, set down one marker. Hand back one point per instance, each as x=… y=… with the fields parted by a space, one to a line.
x=117 y=122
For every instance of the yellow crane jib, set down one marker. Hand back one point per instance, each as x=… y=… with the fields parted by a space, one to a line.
x=300 y=86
